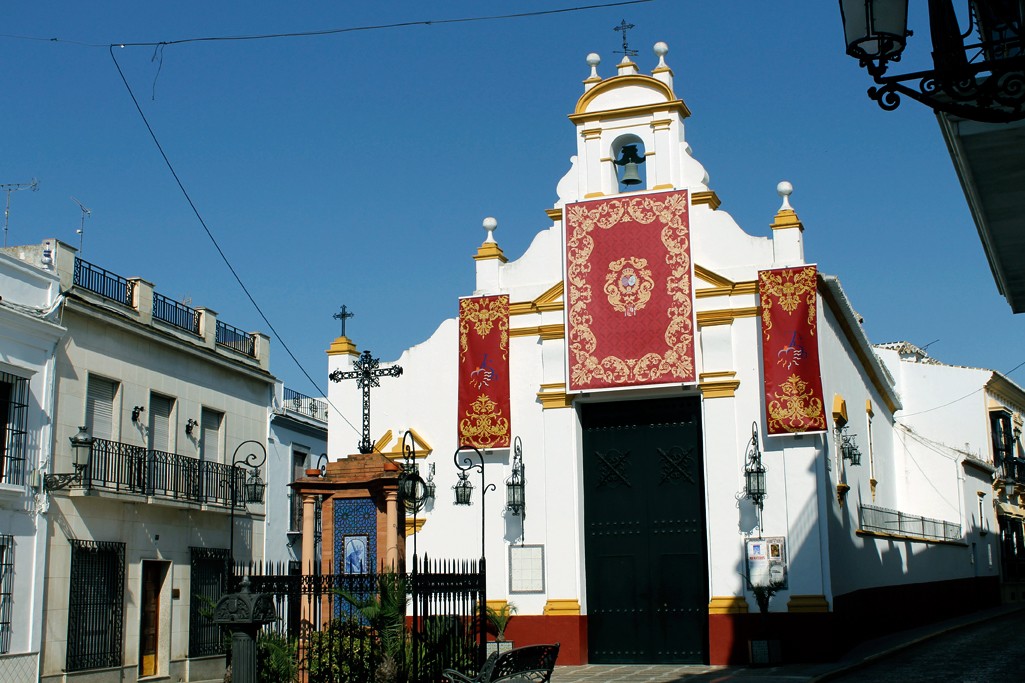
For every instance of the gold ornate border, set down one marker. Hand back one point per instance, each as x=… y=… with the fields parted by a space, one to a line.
x=676 y=362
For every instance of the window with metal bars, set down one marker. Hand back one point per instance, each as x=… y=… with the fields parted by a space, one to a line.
x=96 y=605
x=6 y=590
x=208 y=580
x=13 y=416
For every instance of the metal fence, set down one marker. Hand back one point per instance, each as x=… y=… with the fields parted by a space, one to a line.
x=883 y=520
x=122 y=467
x=174 y=313
x=235 y=339
x=103 y=282
x=305 y=405
x=343 y=628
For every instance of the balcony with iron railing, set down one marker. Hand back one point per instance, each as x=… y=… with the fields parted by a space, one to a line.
x=302 y=404
x=134 y=470
x=886 y=522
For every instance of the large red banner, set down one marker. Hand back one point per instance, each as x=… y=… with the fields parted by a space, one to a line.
x=483 y=417
x=790 y=350
x=629 y=292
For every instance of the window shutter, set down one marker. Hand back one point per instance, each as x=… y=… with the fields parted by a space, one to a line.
x=211 y=425
x=160 y=423
x=99 y=408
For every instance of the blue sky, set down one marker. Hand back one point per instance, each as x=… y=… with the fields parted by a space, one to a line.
x=356 y=168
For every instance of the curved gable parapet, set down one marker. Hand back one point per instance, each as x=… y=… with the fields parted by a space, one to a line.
x=627 y=92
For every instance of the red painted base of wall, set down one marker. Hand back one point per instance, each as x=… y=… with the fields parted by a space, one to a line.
x=569 y=631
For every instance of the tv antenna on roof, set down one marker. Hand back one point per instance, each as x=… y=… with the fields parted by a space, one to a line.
x=86 y=212
x=14 y=187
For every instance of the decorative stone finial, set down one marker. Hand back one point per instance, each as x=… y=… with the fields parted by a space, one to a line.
x=593 y=60
x=490 y=224
x=661 y=49
x=784 y=190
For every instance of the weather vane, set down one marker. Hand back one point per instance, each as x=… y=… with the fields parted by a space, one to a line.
x=624 y=27
x=343 y=315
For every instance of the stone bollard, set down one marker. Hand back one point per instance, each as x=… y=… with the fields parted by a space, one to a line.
x=244 y=613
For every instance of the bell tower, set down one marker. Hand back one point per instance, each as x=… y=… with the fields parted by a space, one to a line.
x=630 y=132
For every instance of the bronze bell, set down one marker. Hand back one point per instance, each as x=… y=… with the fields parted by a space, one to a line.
x=629 y=161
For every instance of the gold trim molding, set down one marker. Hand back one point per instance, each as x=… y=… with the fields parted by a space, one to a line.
x=410 y=530
x=722 y=286
x=580 y=111
x=726 y=316
x=728 y=604
x=342 y=346
x=490 y=250
x=423 y=449
x=554 y=214
x=547 y=301
x=719 y=389
x=807 y=604
x=709 y=197
x=787 y=218
x=562 y=608
x=553 y=331
x=553 y=396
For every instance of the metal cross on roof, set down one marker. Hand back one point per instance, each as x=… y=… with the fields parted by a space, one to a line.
x=624 y=27
x=366 y=371
x=343 y=315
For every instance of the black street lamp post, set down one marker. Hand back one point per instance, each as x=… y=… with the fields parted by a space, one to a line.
x=465 y=463
x=252 y=485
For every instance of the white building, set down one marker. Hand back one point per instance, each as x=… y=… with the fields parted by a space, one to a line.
x=298 y=439
x=638 y=537
x=139 y=537
x=29 y=333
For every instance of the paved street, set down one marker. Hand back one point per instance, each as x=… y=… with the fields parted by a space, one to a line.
x=978 y=654
x=981 y=651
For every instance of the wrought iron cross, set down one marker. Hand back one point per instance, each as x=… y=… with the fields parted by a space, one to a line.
x=343 y=315
x=366 y=371
x=624 y=27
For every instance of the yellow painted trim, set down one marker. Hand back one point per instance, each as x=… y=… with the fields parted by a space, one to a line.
x=591 y=195
x=727 y=604
x=554 y=214
x=807 y=603
x=720 y=389
x=661 y=123
x=423 y=449
x=726 y=316
x=342 y=346
x=554 y=331
x=562 y=608
x=839 y=410
x=410 y=530
x=868 y=407
x=590 y=133
x=624 y=112
x=719 y=374
x=663 y=70
x=721 y=286
x=709 y=197
x=490 y=250
x=624 y=81
x=547 y=301
x=497 y=605
x=666 y=186
x=554 y=397
x=787 y=218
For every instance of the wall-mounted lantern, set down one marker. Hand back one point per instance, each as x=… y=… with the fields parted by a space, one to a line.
x=463 y=489
x=848 y=446
x=754 y=470
x=81 y=453
x=190 y=426
x=515 y=485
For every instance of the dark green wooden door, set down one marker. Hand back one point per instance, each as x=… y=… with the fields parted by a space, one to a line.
x=644 y=526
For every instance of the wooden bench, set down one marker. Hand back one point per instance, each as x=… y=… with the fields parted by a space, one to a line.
x=531 y=664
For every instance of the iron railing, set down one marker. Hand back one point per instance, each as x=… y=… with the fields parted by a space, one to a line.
x=95 y=605
x=103 y=282
x=235 y=339
x=335 y=639
x=882 y=520
x=124 y=468
x=305 y=405
x=174 y=313
x=295 y=512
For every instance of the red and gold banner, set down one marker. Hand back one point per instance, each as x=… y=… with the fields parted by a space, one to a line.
x=790 y=351
x=629 y=292
x=483 y=417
